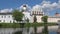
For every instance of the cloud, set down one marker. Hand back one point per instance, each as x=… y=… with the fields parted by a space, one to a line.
x=6 y=10
x=59 y=1
x=36 y=8
x=51 y=6
x=47 y=6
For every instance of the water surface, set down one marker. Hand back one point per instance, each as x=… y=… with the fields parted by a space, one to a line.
x=27 y=30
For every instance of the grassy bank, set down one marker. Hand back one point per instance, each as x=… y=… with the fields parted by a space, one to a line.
x=17 y=25
x=9 y=25
x=38 y=24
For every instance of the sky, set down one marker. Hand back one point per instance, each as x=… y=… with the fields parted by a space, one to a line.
x=49 y=5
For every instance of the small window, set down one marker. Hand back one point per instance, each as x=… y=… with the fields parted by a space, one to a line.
x=10 y=21
x=4 y=21
x=13 y=21
x=1 y=16
x=9 y=16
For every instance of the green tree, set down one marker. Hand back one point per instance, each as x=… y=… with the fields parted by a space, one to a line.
x=44 y=19
x=35 y=19
x=17 y=15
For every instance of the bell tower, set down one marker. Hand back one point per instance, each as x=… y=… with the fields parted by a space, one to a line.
x=24 y=7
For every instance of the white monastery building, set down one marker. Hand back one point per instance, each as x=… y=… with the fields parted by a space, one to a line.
x=6 y=17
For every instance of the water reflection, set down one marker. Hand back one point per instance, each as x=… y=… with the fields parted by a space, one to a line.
x=26 y=30
x=45 y=30
x=18 y=32
x=35 y=30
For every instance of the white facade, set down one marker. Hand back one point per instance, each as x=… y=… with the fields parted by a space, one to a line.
x=53 y=19
x=6 y=18
x=50 y=19
x=39 y=19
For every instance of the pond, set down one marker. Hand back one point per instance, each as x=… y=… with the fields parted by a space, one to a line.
x=28 y=30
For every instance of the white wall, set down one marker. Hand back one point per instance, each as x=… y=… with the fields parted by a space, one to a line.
x=39 y=18
x=31 y=19
x=50 y=19
x=6 y=18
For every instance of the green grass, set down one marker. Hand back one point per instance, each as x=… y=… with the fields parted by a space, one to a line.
x=38 y=24
x=17 y=25
x=9 y=25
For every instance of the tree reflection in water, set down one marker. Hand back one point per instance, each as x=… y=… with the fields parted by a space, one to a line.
x=21 y=26
x=18 y=32
x=23 y=31
x=35 y=30
x=45 y=30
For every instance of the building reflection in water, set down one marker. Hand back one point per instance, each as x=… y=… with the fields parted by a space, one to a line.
x=24 y=31
x=27 y=30
x=58 y=31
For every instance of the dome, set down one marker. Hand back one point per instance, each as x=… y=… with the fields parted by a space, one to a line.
x=25 y=7
x=37 y=8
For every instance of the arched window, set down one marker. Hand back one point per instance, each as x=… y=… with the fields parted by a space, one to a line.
x=0 y=20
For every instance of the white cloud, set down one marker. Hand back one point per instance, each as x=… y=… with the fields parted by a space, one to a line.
x=59 y=1
x=37 y=8
x=47 y=5
x=45 y=2
x=6 y=10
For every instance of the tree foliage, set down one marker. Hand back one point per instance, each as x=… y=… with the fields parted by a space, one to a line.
x=44 y=19
x=17 y=15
